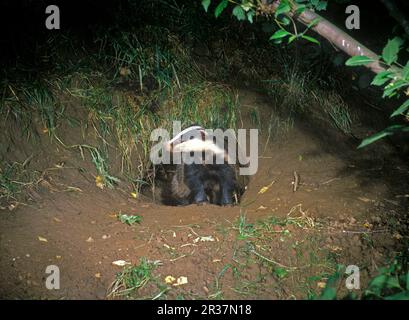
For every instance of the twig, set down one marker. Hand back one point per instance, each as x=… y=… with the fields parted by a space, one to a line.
x=176 y=76
x=271 y=261
x=296 y=181
x=330 y=180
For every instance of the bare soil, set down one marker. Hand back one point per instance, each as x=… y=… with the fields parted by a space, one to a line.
x=348 y=207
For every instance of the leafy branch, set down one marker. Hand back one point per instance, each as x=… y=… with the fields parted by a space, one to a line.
x=390 y=74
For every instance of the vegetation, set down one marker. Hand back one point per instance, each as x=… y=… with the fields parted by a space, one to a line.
x=393 y=76
x=390 y=284
x=99 y=101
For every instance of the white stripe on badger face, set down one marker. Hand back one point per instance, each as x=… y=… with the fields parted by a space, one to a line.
x=193 y=145
x=199 y=145
x=180 y=134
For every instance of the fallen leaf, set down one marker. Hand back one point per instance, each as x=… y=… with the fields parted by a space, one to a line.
x=134 y=195
x=42 y=239
x=99 y=182
x=180 y=281
x=397 y=236
x=168 y=246
x=321 y=285
x=169 y=279
x=120 y=263
x=90 y=239
x=98 y=275
x=367 y=225
x=265 y=188
x=364 y=199
x=262 y=208
x=203 y=239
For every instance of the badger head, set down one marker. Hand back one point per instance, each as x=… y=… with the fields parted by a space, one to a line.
x=196 y=139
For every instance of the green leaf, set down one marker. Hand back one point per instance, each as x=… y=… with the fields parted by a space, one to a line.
x=330 y=291
x=206 y=4
x=314 y=22
x=250 y=15
x=311 y=39
x=358 y=61
x=280 y=272
x=279 y=34
x=300 y=9
x=390 y=89
x=129 y=220
x=401 y=109
x=283 y=7
x=382 y=134
x=322 y=5
x=381 y=78
x=407 y=281
x=239 y=13
x=399 y=296
x=285 y=21
x=405 y=71
x=220 y=7
x=391 y=50
x=292 y=38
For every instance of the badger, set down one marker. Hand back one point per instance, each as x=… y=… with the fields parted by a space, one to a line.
x=201 y=182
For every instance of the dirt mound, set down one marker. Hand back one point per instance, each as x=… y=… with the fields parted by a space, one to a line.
x=309 y=207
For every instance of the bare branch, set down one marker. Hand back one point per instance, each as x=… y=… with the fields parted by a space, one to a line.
x=337 y=37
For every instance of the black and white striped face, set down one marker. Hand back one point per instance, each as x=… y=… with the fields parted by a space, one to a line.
x=195 y=139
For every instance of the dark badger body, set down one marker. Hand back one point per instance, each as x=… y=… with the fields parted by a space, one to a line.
x=202 y=183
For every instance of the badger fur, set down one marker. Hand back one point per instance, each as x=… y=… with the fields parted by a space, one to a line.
x=200 y=183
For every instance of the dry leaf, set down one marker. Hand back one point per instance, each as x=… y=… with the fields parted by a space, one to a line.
x=98 y=275
x=364 y=199
x=180 y=281
x=90 y=239
x=397 y=236
x=99 y=182
x=367 y=225
x=134 y=195
x=170 y=279
x=265 y=188
x=42 y=239
x=203 y=239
